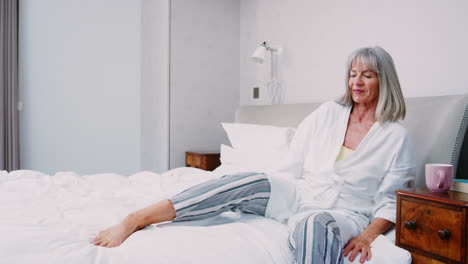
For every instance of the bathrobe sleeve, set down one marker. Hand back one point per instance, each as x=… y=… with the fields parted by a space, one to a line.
x=303 y=141
x=401 y=173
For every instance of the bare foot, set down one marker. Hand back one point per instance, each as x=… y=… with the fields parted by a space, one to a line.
x=113 y=236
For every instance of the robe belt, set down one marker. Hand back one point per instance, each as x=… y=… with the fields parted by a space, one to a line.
x=325 y=194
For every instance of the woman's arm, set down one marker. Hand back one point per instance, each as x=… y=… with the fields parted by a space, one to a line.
x=362 y=243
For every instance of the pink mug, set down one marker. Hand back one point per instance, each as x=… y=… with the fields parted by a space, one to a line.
x=439 y=177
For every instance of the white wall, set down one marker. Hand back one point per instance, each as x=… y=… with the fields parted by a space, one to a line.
x=155 y=86
x=80 y=82
x=427 y=39
x=98 y=90
x=204 y=74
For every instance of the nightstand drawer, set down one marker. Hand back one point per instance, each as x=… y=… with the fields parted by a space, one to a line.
x=432 y=229
x=204 y=161
x=192 y=160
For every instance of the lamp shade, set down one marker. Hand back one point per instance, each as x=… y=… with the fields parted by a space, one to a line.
x=259 y=54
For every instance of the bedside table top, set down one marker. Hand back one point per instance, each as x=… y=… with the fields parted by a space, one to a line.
x=450 y=197
x=207 y=153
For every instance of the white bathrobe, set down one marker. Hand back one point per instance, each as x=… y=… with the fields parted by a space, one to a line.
x=362 y=183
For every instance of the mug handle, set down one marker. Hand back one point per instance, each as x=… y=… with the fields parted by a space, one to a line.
x=441 y=182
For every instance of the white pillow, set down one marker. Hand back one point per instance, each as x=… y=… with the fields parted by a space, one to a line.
x=259 y=137
x=272 y=162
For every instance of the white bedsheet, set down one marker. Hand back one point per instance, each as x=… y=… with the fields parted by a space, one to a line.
x=50 y=219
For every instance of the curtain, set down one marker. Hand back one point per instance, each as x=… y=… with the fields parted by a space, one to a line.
x=9 y=127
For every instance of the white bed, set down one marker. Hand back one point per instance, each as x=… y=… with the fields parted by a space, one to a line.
x=50 y=220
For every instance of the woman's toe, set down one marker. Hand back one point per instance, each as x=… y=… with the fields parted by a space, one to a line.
x=97 y=241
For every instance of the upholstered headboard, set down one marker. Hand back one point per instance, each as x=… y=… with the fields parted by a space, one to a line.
x=437 y=125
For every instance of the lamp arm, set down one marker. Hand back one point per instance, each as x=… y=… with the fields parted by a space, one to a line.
x=265 y=44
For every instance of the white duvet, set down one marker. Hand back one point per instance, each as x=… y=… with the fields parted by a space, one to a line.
x=50 y=219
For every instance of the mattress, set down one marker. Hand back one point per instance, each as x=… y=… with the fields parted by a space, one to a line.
x=50 y=219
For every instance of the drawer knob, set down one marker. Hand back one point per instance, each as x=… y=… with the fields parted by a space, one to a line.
x=409 y=224
x=444 y=234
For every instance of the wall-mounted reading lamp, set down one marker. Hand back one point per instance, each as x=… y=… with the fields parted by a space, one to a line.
x=274 y=86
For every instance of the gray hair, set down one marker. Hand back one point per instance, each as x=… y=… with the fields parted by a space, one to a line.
x=391 y=104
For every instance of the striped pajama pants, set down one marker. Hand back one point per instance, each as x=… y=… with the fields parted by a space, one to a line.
x=315 y=240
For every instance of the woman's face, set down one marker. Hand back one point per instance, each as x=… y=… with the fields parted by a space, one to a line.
x=363 y=84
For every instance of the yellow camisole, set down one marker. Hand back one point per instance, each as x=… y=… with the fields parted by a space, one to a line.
x=344 y=152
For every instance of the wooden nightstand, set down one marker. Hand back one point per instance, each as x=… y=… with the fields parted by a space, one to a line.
x=432 y=226
x=204 y=161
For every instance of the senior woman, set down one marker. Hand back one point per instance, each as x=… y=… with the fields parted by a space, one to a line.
x=353 y=153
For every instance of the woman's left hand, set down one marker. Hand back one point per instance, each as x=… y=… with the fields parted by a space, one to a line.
x=361 y=243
